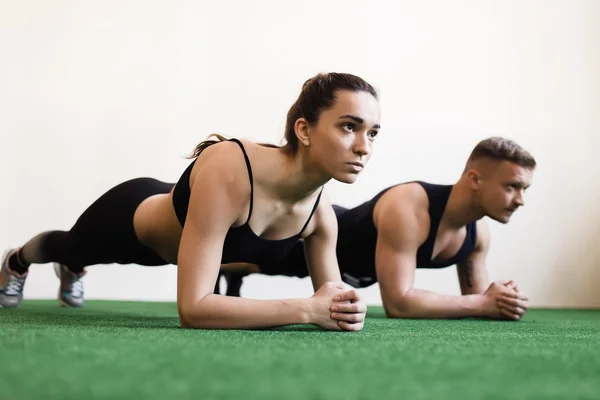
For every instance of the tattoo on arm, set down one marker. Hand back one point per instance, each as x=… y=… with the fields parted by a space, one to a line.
x=468 y=272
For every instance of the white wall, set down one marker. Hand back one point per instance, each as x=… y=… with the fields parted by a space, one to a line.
x=96 y=92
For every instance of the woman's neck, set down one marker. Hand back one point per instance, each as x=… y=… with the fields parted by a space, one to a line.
x=294 y=177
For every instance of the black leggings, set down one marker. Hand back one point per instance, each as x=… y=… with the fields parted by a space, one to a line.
x=104 y=233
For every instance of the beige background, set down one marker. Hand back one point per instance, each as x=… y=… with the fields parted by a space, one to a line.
x=111 y=90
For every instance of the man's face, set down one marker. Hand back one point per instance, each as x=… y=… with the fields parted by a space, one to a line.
x=501 y=189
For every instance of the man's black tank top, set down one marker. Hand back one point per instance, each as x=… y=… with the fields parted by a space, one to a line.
x=357 y=237
x=241 y=243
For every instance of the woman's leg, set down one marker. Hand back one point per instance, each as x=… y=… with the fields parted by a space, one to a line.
x=103 y=234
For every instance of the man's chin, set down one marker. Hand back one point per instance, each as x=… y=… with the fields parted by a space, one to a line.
x=503 y=219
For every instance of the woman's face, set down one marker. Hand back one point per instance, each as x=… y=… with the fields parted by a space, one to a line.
x=341 y=141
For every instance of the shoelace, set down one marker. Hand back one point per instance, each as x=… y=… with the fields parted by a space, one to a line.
x=15 y=285
x=76 y=288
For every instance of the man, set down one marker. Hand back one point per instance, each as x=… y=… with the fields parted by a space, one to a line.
x=420 y=225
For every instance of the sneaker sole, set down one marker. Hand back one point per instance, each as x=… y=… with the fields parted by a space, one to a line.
x=60 y=300
x=67 y=305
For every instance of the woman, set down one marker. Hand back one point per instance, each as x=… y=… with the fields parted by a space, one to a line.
x=238 y=201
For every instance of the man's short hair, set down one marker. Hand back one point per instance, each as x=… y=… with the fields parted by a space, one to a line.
x=501 y=149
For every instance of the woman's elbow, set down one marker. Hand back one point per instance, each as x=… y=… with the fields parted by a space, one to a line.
x=185 y=317
x=398 y=307
x=395 y=312
x=191 y=316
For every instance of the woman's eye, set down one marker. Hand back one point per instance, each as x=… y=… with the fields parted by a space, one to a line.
x=372 y=134
x=348 y=127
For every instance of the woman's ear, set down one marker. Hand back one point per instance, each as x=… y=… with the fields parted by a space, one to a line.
x=302 y=131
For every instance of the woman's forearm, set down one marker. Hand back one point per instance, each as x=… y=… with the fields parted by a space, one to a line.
x=225 y=312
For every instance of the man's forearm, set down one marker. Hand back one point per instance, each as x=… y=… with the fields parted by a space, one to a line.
x=418 y=303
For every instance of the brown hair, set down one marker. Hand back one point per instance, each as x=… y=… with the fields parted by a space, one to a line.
x=501 y=149
x=318 y=94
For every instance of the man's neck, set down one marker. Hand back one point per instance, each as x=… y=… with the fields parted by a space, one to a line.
x=461 y=208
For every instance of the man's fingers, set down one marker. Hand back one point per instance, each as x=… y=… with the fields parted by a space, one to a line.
x=509 y=314
x=515 y=295
x=513 y=285
x=359 y=307
x=351 y=327
x=512 y=301
x=358 y=317
x=513 y=309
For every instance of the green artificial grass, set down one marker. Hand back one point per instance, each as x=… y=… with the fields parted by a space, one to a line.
x=114 y=350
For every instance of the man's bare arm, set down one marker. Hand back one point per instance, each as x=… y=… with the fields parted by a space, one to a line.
x=400 y=234
x=472 y=273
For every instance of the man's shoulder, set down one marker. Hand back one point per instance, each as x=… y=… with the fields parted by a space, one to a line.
x=407 y=198
x=403 y=211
